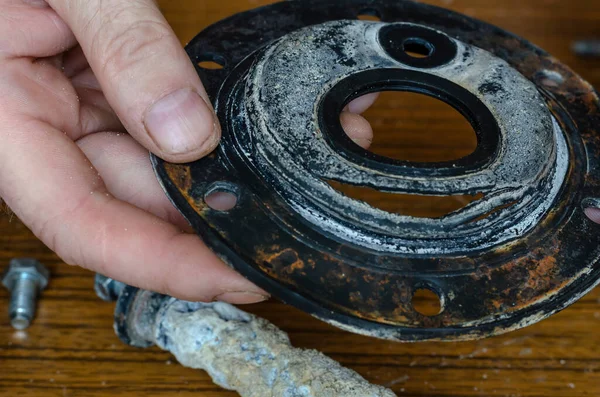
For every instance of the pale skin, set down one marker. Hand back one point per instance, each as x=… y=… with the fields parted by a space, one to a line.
x=87 y=88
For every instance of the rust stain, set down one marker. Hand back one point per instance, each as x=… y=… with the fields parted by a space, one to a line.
x=181 y=175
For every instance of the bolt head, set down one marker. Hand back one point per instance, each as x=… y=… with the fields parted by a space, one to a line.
x=107 y=289
x=25 y=267
x=102 y=286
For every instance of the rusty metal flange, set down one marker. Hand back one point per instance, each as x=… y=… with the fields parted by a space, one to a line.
x=522 y=252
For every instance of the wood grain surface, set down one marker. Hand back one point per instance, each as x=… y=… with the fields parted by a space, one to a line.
x=71 y=349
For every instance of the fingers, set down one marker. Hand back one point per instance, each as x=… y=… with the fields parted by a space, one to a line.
x=593 y=214
x=145 y=75
x=357 y=128
x=361 y=104
x=95 y=113
x=125 y=168
x=38 y=90
x=68 y=207
x=74 y=62
x=29 y=28
x=93 y=116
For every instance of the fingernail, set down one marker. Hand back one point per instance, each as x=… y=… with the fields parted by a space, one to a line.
x=591 y=208
x=363 y=143
x=241 y=297
x=181 y=122
x=593 y=214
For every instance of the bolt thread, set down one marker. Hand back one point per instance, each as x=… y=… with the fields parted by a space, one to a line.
x=22 y=302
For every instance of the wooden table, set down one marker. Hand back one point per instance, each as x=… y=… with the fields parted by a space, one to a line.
x=71 y=349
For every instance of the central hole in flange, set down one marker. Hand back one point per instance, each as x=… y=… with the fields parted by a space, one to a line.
x=411 y=127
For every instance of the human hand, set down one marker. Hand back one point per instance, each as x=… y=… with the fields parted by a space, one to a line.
x=87 y=87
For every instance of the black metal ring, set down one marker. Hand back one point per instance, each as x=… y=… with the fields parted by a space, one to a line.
x=482 y=120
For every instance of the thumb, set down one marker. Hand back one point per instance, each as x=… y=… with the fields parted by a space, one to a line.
x=145 y=75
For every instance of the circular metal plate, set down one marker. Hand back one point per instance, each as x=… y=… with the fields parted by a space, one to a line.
x=522 y=252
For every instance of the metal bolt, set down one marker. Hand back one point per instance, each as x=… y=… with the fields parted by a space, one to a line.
x=24 y=278
x=107 y=289
x=587 y=48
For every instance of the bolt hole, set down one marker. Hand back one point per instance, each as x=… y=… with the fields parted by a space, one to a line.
x=550 y=78
x=417 y=48
x=211 y=62
x=222 y=196
x=590 y=208
x=369 y=14
x=427 y=302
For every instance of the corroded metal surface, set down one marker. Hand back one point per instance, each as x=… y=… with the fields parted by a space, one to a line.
x=238 y=350
x=522 y=252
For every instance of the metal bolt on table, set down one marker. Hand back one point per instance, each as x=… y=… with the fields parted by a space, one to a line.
x=25 y=278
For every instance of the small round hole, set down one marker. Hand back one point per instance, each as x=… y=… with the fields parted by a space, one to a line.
x=417 y=48
x=550 y=78
x=590 y=207
x=369 y=14
x=210 y=65
x=427 y=302
x=222 y=196
x=211 y=61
